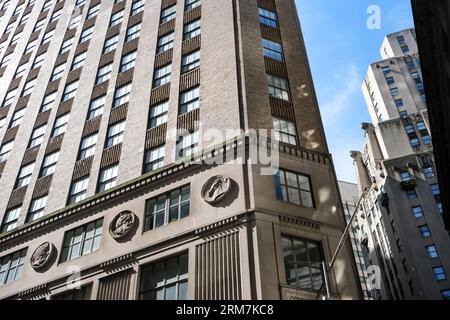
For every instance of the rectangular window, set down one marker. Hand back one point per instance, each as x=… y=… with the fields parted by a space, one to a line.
x=165 y=280
x=60 y=125
x=302 y=262
x=103 y=73
x=435 y=190
x=414 y=142
x=93 y=11
x=421 y=88
x=38 y=61
x=394 y=92
x=96 y=107
x=158 y=114
x=137 y=6
x=69 y=91
x=409 y=128
x=417 y=212
x=285 y=131
x=24 y=19
x=30 y=46
x=17 y=118
x=163 y=209
x=48 y=102
x=87 y=146
x=399 y=103
x=278 y=87
x=66 y=45
x=84 y=293
x=162 y=75
x=82 y=240
x=133 y=32
x=37 y=208
x=116 y=18
x=294 y=188
x=187 y=145
x=165 y=42
x=48 y=36
x=24 y=176
x=86 y=34
x=122 y=95
x=5 y=150
x=416 y=77
x=390 y=80
x=108 y=178
x=439 y=273
x=268 y=18
x=15 y=39
x=154 y=158
x=190 y=61
x=37 y=136
x=58 y=71
x=28 y=87
x=168 y=14
x=191 y=4
x=421 y=126
x=432 y=252
x=78 y=190
x=10 y=219
x=39 y=25
x=11 y=266
x=55 y=15
x=427 y=140
x=192 y=29
x=272 y=49
x=428 y=172
x=128 y=61
x=5 y=60
x=405 y=176
x=115 y=134
x=47 y=5
x=78 y=60
x=189 y=100
x=49 y=164
x=20 y=70
x=10 y=95
x=110 y=44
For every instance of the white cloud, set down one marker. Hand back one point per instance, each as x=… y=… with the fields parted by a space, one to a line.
x=347 y=86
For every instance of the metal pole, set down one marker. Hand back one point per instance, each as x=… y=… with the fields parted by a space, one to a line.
x=325 y=276
x=345 y=233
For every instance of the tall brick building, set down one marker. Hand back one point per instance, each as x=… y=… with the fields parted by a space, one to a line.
x=106 y=118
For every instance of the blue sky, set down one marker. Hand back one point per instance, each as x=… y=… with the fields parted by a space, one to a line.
x=340 y=48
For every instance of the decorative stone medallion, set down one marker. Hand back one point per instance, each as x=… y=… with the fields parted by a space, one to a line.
x=42 y=255
x=122 y=225
x=216 y=189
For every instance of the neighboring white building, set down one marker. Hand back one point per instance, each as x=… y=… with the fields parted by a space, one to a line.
x=403 y=228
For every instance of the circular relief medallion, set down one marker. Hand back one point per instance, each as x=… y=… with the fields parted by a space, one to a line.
x=216 y=189
x=42 y=255
x=122 y=224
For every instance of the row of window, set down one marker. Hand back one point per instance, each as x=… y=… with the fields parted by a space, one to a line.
x=290 y=186
x=167 y=279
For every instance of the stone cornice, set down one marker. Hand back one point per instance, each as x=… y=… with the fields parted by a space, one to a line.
x=151 y=178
